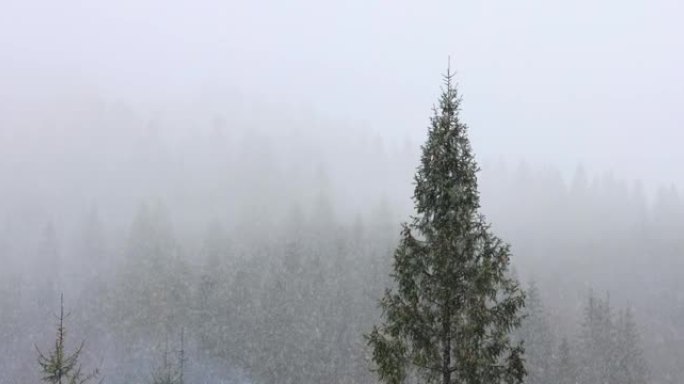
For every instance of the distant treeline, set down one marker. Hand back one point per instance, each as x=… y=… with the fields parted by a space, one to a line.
x=270 y=249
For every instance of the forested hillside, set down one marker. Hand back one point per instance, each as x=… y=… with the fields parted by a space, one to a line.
x=268 y=241
x=283 y=192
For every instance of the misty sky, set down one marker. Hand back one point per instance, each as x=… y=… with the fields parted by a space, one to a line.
x=592 y=82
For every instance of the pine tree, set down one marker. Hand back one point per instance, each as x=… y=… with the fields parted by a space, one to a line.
x=610 y=348
x=566 y=370
x=537 y=339
x=449 y=317
x=59 y=367
x=631 y=366
x=167 y=372
x=181 y=358
x=153 y=280
x=597 y=343
x=170 y=372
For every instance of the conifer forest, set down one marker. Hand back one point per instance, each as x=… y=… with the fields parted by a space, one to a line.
x=351 y=192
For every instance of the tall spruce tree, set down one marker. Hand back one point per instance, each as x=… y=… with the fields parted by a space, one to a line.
x=168 y=371
x=610 y=350
x=59 y=367
x=565 y=371
x=449 y=316
x=631 y=364
x=537 y=338
x=597 y=354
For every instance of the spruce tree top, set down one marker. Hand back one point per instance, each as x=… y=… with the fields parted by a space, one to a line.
x=58 y=367
x=449 y=316
x=446 y=195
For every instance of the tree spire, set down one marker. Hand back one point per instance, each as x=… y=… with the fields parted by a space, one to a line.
x=449 y=315
x=58 y=367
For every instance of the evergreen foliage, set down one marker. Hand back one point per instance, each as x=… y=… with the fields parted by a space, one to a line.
x=566 y=370
x=537 y=339
x=167 y=372
x=610 y=349
x=272 y=298
x=631 y=365
x=597 y=342
x=60 y=367
x=449 y=317
x=170 y=371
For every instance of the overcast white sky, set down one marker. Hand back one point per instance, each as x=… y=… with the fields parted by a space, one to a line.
x=596 y=82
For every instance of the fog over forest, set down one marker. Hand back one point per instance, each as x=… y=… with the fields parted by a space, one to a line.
x=239 y=174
